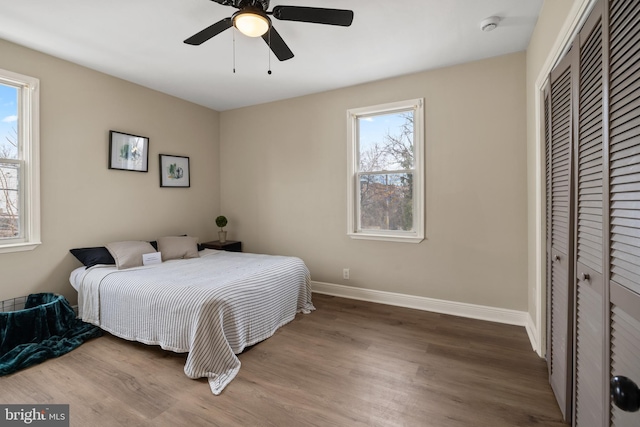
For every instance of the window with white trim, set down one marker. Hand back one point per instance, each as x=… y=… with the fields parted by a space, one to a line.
x=19 y=162
x=386 y=172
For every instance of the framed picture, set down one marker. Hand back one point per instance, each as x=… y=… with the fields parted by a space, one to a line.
x=174 y=171
x=128 y=152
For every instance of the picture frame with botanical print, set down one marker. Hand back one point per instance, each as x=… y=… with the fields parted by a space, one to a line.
x=174 y=171
x=128 y=152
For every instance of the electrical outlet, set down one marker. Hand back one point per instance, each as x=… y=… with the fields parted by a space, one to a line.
x=345 y=273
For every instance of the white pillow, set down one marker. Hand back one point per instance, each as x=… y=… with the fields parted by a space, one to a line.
x=129 y=253
x=178 y=247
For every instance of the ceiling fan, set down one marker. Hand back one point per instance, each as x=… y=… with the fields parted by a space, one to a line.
x=252 y=20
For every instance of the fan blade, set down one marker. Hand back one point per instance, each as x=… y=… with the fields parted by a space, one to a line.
x=277 y=44
x=316 y=15
x=209 y=32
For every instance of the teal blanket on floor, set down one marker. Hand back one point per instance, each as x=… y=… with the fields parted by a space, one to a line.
x=47 y=327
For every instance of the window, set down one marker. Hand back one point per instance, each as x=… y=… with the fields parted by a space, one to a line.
x=19 y=162
x=386 y=172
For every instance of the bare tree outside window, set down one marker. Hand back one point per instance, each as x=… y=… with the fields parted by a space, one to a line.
x=386 y=162
x=9 y=166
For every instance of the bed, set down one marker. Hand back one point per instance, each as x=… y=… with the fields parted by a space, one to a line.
x=211 y=306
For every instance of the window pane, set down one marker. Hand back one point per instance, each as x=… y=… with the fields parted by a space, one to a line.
x=386 y=201
x=386 y=142
x=9 y=200
x=8 y=122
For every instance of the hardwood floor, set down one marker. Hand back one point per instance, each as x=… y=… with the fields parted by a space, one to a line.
x=349 y=363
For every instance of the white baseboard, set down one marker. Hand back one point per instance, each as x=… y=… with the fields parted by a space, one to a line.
x=532 y=332
x=480 y=312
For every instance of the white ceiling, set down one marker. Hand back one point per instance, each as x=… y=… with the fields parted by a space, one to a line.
x=142 y=41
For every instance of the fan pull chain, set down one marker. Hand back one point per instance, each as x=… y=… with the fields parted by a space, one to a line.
x=234 y=51
x=269 y=53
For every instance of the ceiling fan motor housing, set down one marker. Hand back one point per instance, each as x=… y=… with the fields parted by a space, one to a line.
x=239 y=4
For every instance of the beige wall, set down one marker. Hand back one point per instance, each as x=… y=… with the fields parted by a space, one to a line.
x=546 y=37
x=283 y=185
x=84 y=203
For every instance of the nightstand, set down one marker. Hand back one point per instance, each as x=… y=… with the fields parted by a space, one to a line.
x=229 y=245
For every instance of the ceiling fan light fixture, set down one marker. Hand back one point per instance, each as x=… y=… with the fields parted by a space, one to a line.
x=251 y=23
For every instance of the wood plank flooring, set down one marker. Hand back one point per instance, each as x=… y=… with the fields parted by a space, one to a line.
x=349 y=363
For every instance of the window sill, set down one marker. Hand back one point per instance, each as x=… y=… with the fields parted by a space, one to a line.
x=19 y=247
x=386 y=237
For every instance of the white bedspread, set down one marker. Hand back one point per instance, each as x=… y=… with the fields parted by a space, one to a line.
x=211 y=307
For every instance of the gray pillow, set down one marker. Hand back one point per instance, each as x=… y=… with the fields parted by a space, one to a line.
x=129 y=253
x=178 y=247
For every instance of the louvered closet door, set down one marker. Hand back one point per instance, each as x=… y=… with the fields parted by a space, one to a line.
x=560 y=265
x=590 y=403
x=624 y=152
x=548 y=221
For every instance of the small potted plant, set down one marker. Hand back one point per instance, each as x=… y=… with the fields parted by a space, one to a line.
x=221 y=222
